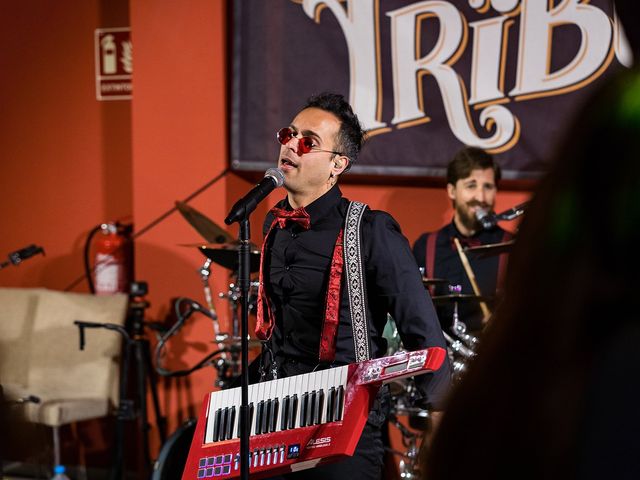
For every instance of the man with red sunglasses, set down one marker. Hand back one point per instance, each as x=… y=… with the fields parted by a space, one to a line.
x=331 y=272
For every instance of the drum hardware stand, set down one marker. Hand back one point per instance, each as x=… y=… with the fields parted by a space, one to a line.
x=458 y=346
x=408 y=465
x=460 y=329
x=227 y=365
x=465 y=345
x=234 y=297
x=205 y=273
x=456 y=289
x=458 y=326
x=223 y=364
x=229 y=368
x=139 y=345
x=404 y=404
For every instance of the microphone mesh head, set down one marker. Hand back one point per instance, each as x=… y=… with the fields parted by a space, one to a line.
x=481 y=213
x=277 y=175
x=486 y=219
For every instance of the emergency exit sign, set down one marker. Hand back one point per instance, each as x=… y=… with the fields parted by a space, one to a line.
x=114 y=63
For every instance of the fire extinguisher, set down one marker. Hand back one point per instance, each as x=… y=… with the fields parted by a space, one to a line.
x=112 y=269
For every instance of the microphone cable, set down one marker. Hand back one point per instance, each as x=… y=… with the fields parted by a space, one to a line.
x=192 y=307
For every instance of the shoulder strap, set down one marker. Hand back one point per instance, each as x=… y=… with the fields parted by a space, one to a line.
x=502 y=262
x=356 y=280
x=430 y=257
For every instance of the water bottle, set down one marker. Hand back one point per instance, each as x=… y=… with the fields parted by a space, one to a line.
x=58 y=473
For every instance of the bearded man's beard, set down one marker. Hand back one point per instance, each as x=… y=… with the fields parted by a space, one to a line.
x=468 y=218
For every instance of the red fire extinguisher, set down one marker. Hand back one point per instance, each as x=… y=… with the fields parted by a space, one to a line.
x=112 y=269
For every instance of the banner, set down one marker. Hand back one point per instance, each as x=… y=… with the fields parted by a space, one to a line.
x=424 y=77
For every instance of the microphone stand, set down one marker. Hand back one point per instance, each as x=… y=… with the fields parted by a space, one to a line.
x=240 y=213
x=244 y=283
x=514 y=212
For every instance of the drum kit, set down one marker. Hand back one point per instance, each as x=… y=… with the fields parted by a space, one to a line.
x=407 y=415
x=219 y=248
x=222 y=249
x=461 y=348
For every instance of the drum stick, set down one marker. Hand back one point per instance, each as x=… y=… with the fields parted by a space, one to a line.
x=472 y=278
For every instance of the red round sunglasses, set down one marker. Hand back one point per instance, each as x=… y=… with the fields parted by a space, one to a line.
x=305 y=144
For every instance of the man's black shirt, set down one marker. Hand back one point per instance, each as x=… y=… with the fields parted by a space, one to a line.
x=447 y=265
x=296 y=273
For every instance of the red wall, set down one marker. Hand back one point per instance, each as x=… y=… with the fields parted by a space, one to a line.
x=69 y=162
x=65 y=158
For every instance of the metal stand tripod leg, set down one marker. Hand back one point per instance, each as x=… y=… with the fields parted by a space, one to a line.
x=127 y=408
x=146 y=373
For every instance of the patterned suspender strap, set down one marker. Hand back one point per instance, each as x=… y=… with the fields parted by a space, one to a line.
x=332 y=306
x=430 y=258
x=355 y=280
x=502 y=263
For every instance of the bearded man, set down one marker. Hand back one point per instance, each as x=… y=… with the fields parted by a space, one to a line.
x=472 y=179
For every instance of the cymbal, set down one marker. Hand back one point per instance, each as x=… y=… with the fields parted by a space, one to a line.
x=206 y=227
x=489 y=250
x=226 y=339
x=226 y=254
x=427 y=282
x=458 y=297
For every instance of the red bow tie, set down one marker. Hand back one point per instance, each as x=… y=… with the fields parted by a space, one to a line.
x=299 y=216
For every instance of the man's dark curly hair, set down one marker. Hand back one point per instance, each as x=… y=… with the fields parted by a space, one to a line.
x=351 y=136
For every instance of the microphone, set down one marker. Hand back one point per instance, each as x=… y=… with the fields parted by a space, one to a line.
x=273 y=178
x=514 y=212
x=489 y=220
x=19 y=256
x=196 y=307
